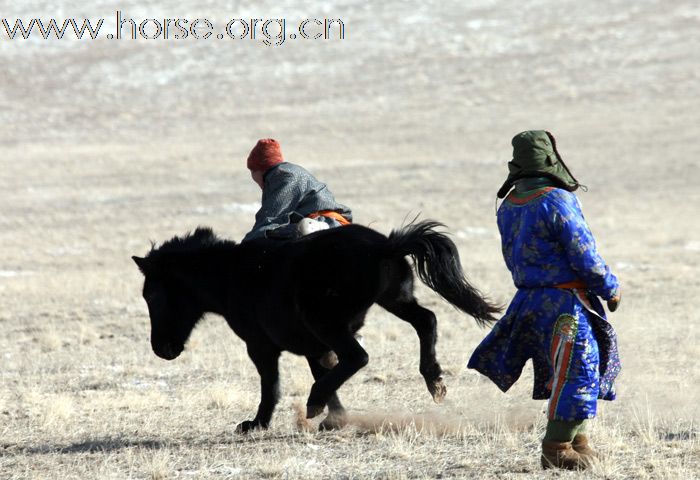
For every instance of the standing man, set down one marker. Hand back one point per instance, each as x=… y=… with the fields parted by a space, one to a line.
x=555 y=318
x=294 y=203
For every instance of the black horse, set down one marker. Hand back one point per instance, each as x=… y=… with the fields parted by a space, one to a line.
x=307 y=296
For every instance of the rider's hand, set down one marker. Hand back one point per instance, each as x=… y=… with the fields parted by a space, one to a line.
x=614 y=302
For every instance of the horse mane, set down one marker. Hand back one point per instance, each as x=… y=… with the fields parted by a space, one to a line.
x=203 y=238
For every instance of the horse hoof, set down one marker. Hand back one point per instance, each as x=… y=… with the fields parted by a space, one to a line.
x=314 y=410
x=333 y=421
x=247 y=426
x=438 y=390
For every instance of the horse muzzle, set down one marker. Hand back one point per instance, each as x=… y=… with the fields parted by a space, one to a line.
x=167 y=351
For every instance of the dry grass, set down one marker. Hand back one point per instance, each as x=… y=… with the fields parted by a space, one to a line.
x=106 y=146
x=176 y=420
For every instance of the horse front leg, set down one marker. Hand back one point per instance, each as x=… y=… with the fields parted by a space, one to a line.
x=425 y=324
x=266 y=360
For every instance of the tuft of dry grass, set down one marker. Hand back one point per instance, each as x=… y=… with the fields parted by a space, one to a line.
x=644 y=423
x=58 y=409
x=50 y=340
x=219 y=397
x=157 y=465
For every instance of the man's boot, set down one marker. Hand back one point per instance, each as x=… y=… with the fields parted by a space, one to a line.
x=580 y=444
x=561 y=455
x=309 y=225
x=328 y=360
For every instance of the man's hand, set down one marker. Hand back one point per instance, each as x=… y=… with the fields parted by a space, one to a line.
x=614 y=302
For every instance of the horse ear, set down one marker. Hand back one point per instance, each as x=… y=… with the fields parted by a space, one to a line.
x=142 y=263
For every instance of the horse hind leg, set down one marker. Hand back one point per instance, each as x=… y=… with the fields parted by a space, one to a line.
x=425 y=323
x=337 y=417
x=351 y=358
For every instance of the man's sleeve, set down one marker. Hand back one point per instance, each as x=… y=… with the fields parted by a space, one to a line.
x=577 y=240
x=280 y=199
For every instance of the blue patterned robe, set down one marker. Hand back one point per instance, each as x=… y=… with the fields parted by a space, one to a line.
x=555 y=318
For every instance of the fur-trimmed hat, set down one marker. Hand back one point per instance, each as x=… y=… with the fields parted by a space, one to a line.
x=535 y=155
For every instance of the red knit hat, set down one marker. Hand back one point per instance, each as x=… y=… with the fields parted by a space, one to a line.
x=264 y=155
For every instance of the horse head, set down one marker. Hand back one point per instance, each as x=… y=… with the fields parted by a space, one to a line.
x=173 y=317
x=173 y=290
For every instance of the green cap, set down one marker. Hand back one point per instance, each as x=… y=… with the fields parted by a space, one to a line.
x=535 y=155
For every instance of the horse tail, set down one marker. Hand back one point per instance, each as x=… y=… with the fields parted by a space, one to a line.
x=436 y=260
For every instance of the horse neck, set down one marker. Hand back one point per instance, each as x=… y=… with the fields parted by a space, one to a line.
x=203 y=275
